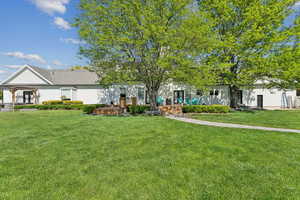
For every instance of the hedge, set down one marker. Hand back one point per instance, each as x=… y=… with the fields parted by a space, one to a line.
x=206 y=109
x=139 y=109
x=58 y=102
x=57 y=107
x=52 y=102
x=72 y=102
x=88 y=109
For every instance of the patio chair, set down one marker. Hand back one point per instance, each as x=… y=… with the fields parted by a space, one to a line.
x=180 y=100
x=188 y=101
x=160 y=101
x=195 y=101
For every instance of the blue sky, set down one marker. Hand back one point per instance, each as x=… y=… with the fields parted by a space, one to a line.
x=38 y=32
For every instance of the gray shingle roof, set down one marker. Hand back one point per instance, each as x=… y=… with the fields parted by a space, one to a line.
x=68 y=77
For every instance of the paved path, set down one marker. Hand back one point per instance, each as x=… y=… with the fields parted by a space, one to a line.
x=227 y=125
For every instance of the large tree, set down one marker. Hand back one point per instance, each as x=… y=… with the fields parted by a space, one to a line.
x=250 y=32
x=149 y=42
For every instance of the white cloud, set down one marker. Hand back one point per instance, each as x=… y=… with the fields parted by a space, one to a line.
x=61 y=23
x=72 y=41
x=30 y=57
x=13 y=66
x=3 y=72
x=51 y=6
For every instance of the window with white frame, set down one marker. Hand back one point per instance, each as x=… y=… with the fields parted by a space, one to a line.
x=66 y=94
x=141 y=94
x=298 y=92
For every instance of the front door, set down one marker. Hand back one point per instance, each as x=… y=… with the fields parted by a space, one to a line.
x=178 y=96
x=27 y=97
x=260 y=101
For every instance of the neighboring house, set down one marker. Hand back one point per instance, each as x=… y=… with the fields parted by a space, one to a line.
x=31 y=85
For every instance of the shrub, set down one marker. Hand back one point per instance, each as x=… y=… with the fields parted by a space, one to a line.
x=206 y=109
x=52 y=102
x=58 y=107
x=58 y=102
x=72 y=102
x=139 y=109
x=89 y=109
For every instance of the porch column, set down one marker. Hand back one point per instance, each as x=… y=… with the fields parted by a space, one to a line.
x=35 y=96
x=13 y=92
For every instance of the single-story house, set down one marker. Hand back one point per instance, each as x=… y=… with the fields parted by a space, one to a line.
x=33 y=85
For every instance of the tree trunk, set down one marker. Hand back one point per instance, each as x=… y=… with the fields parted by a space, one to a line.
x=233 y=95
x=153 y=94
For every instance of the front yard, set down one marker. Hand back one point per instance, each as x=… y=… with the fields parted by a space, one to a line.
x=276 y=118
x=67 y=155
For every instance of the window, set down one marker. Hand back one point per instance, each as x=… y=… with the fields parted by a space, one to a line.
x=141 y=94
x=217 y=92
x=178 y=96
x=199 y=93
x=211 y=93
x=298 y=92
x=66 y=94
x=122 y=92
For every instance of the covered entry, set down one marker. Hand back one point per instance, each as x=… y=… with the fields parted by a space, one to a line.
x=29 y=95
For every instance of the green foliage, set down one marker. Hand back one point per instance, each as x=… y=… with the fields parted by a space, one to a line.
x=1 y=94
x=59 y=107
x=206 y=109
x=138 y=109
x=72 y=102
x=88 y=109
x=52 y=102
x=58 y=102
x=79 y=67
x=148 y=42
x=286 y=73
x=250 y=33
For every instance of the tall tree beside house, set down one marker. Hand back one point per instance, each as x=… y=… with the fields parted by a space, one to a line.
x=250 y=32
x=80 y=67
x=149 y=42
x=1 y=95
x=286 y=63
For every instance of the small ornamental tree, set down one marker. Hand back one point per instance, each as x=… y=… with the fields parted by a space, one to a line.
x=149 y=42
x=250 y=32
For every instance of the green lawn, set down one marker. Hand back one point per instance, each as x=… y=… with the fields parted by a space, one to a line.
x=276 y=118
x=50 y=155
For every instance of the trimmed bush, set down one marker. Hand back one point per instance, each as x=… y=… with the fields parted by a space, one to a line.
x=139 y=109
x=206 y=109
x=52 y=102
x=58 y=102
x=58 y=107
x=72 y=102
x=88 y=109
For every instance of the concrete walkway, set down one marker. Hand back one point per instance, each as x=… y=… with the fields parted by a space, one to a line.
x=227 y=125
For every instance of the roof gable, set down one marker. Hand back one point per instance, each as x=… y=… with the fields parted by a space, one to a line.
x=26 y=76
x=30 y=75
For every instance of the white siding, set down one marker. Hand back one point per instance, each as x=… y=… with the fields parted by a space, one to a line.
x=27 y=77
x=272 y=98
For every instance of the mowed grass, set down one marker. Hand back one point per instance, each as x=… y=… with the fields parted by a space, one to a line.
x=275 y=118
x=50 y=155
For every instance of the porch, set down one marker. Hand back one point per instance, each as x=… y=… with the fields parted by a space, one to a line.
x=24 y=95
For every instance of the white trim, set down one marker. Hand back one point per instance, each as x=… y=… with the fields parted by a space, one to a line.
x=22 y=69
x=67 y=88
